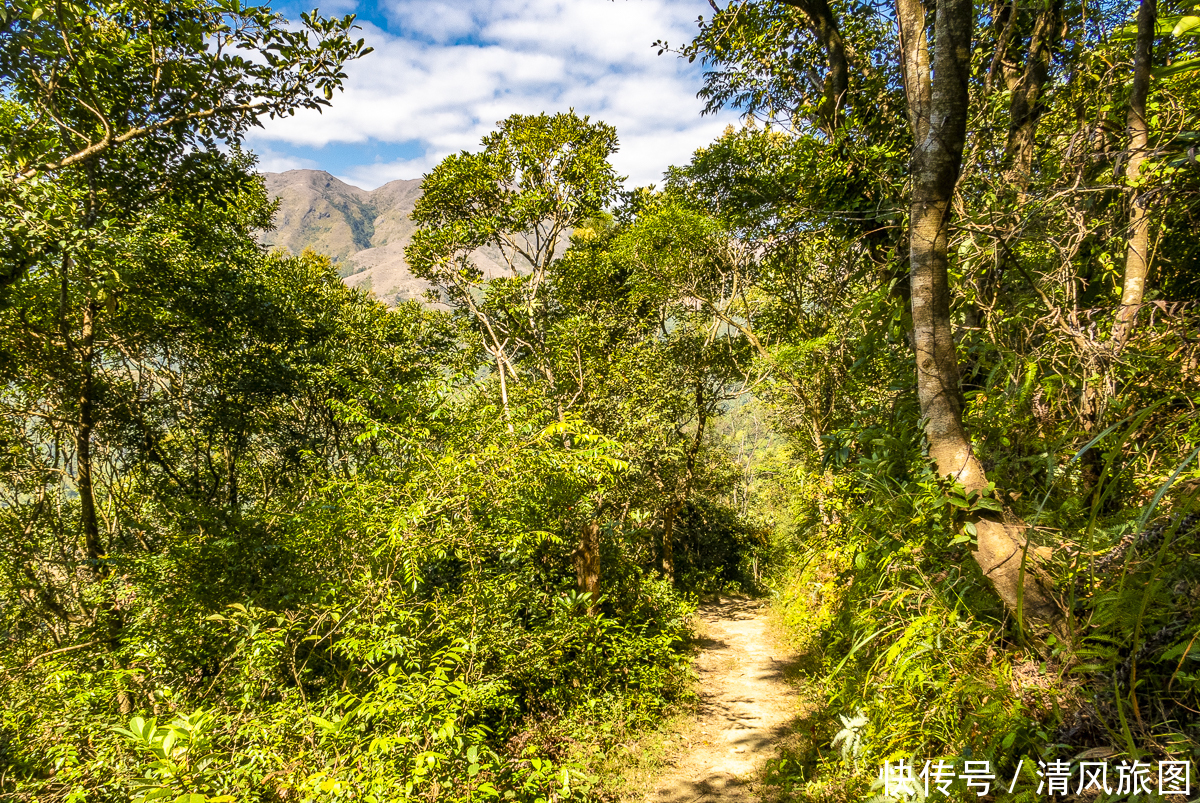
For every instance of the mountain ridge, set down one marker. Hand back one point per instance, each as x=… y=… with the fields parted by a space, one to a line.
x=364 y=232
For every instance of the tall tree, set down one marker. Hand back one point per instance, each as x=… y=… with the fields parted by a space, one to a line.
x=756 y=66
x=1137 y=254
x=938 y=105
x=535 y=179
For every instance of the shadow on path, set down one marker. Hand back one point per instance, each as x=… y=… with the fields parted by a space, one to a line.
x=746 y=707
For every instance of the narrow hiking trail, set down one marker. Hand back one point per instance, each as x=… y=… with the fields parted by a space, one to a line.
x=745 y=707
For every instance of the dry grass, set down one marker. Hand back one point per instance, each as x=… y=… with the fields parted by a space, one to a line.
x=634 y=770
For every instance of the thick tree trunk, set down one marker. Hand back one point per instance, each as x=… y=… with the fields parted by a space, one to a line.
x=937 y=158
x=936 y=161
x=587 y=565
x=914 y=65
x=1137 y=255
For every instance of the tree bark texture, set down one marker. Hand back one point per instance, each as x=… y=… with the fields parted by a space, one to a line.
x=587 y=565
x=1025 y=108
x=939 y=137
x=1094 y=397
x=914 y=65
x=937 y=159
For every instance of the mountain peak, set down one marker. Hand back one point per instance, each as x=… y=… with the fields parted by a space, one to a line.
x=363 y=231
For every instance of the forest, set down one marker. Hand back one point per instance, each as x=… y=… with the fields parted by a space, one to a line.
x=911 y=354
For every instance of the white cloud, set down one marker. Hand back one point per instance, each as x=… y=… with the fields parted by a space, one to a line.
x=444 y=74
x=370 y=176
x=271 y=161
x=441 y=22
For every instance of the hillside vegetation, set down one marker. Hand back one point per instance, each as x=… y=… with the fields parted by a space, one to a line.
x=911 y=353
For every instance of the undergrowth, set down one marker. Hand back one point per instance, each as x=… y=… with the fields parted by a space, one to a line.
x=409 y=633
x=905 y=653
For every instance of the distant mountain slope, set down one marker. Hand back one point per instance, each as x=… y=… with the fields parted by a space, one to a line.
x=365 y=232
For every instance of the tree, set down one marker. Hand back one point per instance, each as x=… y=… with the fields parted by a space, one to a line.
x=109 y=108
x=181 y=403
x=603 y=332
x=536 y=178
x=688 y=270
x=113 y=117
x=924 y=97
x=938 y=111
x=108 y=103
x=102 y=74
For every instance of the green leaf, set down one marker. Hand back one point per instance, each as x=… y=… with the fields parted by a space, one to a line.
x=1185 y=24
x=1178 y=68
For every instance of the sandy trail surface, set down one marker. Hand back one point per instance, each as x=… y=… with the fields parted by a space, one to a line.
x=744 y=710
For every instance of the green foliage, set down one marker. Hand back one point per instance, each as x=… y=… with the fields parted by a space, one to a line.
x=267 y=538
x=108 y=105
x=166 y=77
x=1084 y=439
x=177 y=758
x=391 y=622
x=536 y=178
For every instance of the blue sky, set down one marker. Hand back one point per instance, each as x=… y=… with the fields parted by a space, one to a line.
x=443 y=73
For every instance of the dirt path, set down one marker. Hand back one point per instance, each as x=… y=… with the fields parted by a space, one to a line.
x=744 y=709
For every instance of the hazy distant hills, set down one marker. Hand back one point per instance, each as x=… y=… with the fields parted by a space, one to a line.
x=365 y=232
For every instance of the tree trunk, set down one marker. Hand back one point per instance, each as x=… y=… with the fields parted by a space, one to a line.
x=83 y=443
x=1025 y=108
x=666 y=553
x=1091 y=412
x=89 y=521
x=1137 y=255
x=914 y=65
x=937 y=159
x=231 y=476
x=837 y=80
x=587 y=565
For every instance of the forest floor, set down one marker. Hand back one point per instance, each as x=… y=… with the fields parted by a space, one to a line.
x=746 y=707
